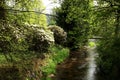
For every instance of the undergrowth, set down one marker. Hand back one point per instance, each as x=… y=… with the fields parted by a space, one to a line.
x=57 y=55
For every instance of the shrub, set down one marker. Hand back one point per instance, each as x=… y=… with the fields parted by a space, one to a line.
x=59 y=34
x=10 y=37
x=39 y=39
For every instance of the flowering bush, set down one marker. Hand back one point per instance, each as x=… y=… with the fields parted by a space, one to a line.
x=59 y=34
x=39 y=39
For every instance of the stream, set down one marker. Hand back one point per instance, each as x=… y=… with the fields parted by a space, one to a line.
x=79 y=68
x=91 y=65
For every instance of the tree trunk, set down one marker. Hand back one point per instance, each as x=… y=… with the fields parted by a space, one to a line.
x=2 y=10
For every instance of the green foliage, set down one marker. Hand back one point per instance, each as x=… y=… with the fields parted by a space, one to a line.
x=23 y=11
x=59 y=34
x=20 y=44
x=2 y=59
x=24 y=66
x=57 y=55
x=106 y=25
x=74 y=19
x=91 y=44
x=14 y=40
x=13 y=28
x=108 y=60
x=19 y=47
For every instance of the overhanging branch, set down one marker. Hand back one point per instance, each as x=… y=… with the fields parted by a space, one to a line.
x=27 y=11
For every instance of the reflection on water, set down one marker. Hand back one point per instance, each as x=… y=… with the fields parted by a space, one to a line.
x=91 y=68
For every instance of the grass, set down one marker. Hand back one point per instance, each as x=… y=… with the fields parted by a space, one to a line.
x=57 y=55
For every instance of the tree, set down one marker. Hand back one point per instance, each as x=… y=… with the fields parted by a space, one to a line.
x=2 y=10
x=73 y=17
x=23 y=11
x=106 y=20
